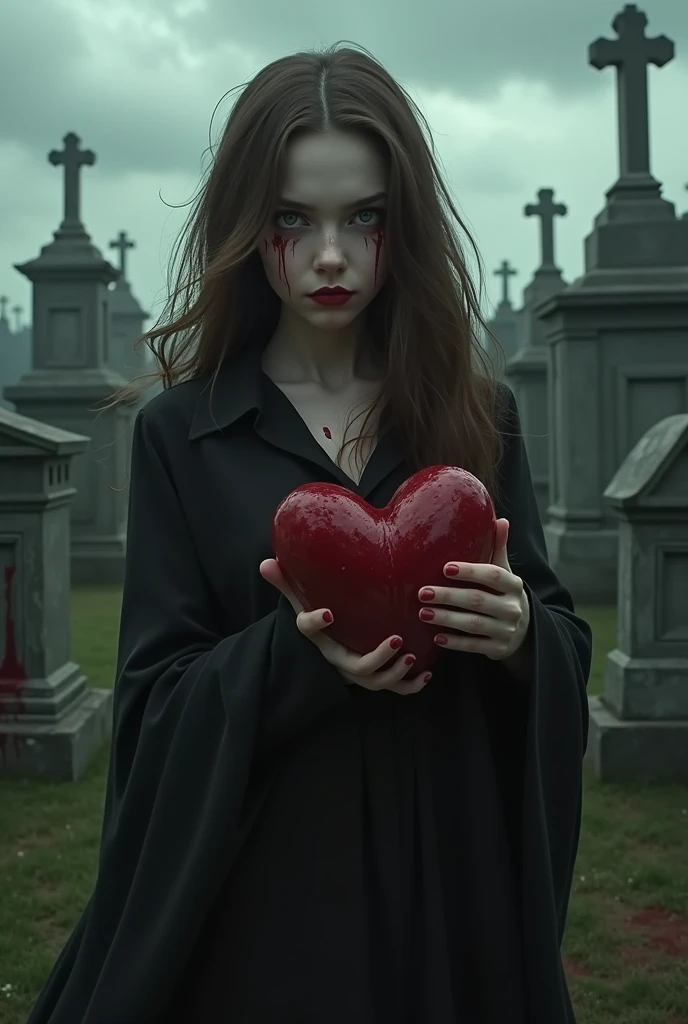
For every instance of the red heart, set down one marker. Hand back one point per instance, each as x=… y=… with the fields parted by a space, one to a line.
x=367 y=564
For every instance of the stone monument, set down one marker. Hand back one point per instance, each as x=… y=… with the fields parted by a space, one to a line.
x=71 y=378
x=15 y=350
x=7 y=375
x=18 y=310
x=126 y=320
x=505 y=324
x=618 y=335
x=527 y=370
x=51 y=722
x=639 y=727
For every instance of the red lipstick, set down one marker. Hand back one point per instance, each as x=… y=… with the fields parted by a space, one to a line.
x=331 y=296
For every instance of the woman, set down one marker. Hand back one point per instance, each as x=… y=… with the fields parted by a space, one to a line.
x=294 y=832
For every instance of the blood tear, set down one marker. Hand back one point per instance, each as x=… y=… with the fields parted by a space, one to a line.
x=279 y=244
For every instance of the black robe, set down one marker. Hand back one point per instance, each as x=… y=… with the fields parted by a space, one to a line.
x=277 y=846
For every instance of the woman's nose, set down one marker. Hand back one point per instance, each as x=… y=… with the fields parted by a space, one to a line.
x=330 y=253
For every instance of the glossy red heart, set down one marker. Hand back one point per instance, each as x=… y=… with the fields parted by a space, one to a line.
x=368 y=564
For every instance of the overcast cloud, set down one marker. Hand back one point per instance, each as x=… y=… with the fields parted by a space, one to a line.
x=506 y=87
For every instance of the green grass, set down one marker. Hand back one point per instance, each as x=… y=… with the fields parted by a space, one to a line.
x=623 y=966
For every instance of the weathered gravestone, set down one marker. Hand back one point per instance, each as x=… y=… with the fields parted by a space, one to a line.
x=505 y=324
x=15 y=349
x=71 y=378
x=126 y=319
x=639 y=728
x=527 y=370
x=618 y=335
x=6 y=352
x=51 y=722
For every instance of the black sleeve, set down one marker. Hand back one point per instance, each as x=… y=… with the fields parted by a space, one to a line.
x=541 y=726
x=193 y=710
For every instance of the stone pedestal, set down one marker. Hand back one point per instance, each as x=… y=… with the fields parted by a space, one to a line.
x=618 y=336
x=51 y=722
x=504 y=326
x=639 y=727
x=71 y=378
x=15 y=355
x=126 y=325
x=527 y=372
x=617 y=366
x=126 y=320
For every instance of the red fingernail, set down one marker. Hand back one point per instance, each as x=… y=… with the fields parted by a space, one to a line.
x=395 y=643
x=427 y=594
x=328 y=617
x=452 y=570
x=427 y=677
x=426 y=614
x=441 y=640
x=409 y=659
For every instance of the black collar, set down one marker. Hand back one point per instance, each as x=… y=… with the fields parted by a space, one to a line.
x=242 y=388
x=237 y=390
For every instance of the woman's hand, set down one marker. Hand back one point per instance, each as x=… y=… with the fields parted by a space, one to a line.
x=374 y=671
x=494 y=624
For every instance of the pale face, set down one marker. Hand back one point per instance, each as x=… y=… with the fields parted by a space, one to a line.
x=329 y=231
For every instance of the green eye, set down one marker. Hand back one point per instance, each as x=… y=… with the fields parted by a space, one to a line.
x=367 y=217
x=289 y=218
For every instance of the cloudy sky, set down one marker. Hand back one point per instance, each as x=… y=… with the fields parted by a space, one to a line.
x=506 y=87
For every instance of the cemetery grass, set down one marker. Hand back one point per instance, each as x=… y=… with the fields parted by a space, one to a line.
x=626 y=945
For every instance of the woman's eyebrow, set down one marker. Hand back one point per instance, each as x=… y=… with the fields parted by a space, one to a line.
x=294 y=205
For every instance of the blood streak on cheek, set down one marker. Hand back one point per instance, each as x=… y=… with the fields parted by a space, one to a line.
x=279 y=245
x=378 y=238
x=328 y=433
x=12 y=673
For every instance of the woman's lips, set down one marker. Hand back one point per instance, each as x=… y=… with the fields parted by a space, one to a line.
x=331 y=298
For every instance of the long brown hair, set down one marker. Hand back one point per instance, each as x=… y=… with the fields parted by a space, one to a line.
x=439 y=385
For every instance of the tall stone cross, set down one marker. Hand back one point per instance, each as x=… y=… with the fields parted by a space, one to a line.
x=3 y=307
x=630 y=54
x=505 y=271
x=122 y=243
x=72 y=158
x=546 y=209
x=17 y=310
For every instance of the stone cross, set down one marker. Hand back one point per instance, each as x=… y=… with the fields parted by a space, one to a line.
x=72 y=159
x=505 y=271
x=122 y=243
x=546 y=209
x=17 y=310
x=630 y=54
x=3 y=307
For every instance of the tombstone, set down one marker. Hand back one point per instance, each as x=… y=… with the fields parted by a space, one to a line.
x=639 y=727
x=527 y=370
x=71 y=377
x=126 y=320
x=504 y=325
x=15 y=350
x=618 y=335
x=51 y=722
x=6 y=350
